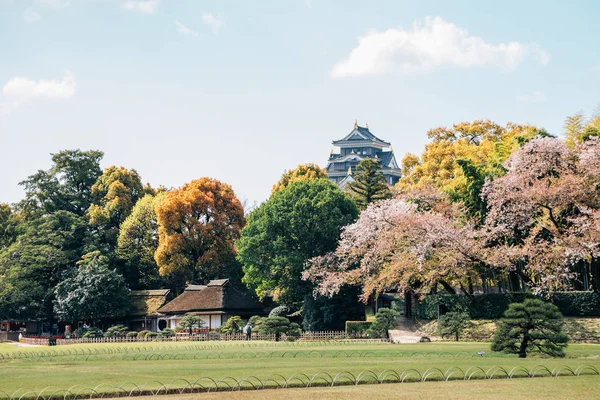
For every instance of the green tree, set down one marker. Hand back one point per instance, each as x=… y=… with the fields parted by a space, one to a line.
x=137 y=243
x=67 y=185
x=94 y=292
x=453 y=323
x=189 y=321
x=234 y=324
x=277 y=326
x=533 y=325
x=44 y=253
x=9 y=222
x=113 y=196
x=297 y=223
x=385 y=319
x=369 y=184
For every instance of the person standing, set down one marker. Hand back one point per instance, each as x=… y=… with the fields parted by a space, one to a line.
x=248 y=331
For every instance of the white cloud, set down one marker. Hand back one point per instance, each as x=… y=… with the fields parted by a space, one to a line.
x=19 y=90
x=426 y=46
x=534 y=97
x=215 y=23
x=308 y=4
x=31 y=16
x=146 y=6
x=184 y=30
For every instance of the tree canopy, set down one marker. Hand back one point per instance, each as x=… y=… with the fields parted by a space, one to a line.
x=197 y=226
x=113 y=196
x=301 y=172
x=138 y=241
x=67 y=185
x=531 y=326
x=297 y=223
x=93 y=293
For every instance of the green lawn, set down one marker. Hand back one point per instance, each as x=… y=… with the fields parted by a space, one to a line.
x=112 y=364
x=582 y=388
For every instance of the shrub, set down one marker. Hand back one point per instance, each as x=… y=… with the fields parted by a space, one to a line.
x=151 y=335
x=533 y=325
x=493 y=305
x=92 y=333
x=453 y=323
x=234 y=324
x=253 y=321
x=167 y=332
x=116 y=331
x=385 y=319
x=189 y=321
x=131 y=334
x=357 y=328
x=277 y=326
x=142 y=334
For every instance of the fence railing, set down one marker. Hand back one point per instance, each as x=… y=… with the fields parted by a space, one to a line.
x=323 y=335
x=316 y=336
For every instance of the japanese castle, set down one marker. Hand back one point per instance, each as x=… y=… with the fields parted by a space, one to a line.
x=355 y=147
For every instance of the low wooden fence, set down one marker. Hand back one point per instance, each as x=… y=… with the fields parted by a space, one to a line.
x=320 y=336
x=316 y=336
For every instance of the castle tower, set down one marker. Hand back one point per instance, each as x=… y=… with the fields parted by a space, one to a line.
x=359 y=144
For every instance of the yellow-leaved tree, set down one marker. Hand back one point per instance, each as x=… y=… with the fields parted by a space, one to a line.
x=458 y=160
x=301 y=172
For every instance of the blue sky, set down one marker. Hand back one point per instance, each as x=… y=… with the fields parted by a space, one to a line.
x=243 y=90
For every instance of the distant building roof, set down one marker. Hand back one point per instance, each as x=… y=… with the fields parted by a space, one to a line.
x=217 y=295
x=147 y=302
x=360 y=133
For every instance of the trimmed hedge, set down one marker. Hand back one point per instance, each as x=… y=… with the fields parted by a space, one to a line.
x=493 y=305
x=357 y=328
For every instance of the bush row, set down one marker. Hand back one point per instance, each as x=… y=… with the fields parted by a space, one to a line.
x=357 y=328
x=493 y=305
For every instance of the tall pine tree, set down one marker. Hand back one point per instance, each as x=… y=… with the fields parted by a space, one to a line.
x=369 y=184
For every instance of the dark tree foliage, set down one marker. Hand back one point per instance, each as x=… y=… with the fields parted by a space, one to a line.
x=369 y=184
x=331 y=313
x=43 y=254
x=453 y=323
x=531 y=326
x=277 y=326
x=385 y=319
x=9 y=222
x=299 y=222
x=67 y=185
x=93 y=293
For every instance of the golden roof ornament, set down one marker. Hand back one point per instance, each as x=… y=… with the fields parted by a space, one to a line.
x=355 y=124
x=367 y=125
x=349 y=170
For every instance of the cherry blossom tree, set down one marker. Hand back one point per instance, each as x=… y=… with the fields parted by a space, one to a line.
x=543 y=214
x=393 y=245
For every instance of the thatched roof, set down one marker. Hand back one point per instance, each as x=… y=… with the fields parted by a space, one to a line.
x=217 y=295
x=147 y=302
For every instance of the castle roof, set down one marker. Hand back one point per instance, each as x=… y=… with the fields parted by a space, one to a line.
x=361 y=134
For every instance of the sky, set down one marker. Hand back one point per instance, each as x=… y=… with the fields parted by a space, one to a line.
x=241 y=90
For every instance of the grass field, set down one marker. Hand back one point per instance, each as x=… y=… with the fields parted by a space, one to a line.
x=35 y=368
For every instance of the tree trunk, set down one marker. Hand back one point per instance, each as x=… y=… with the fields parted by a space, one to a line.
x=524 y=343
